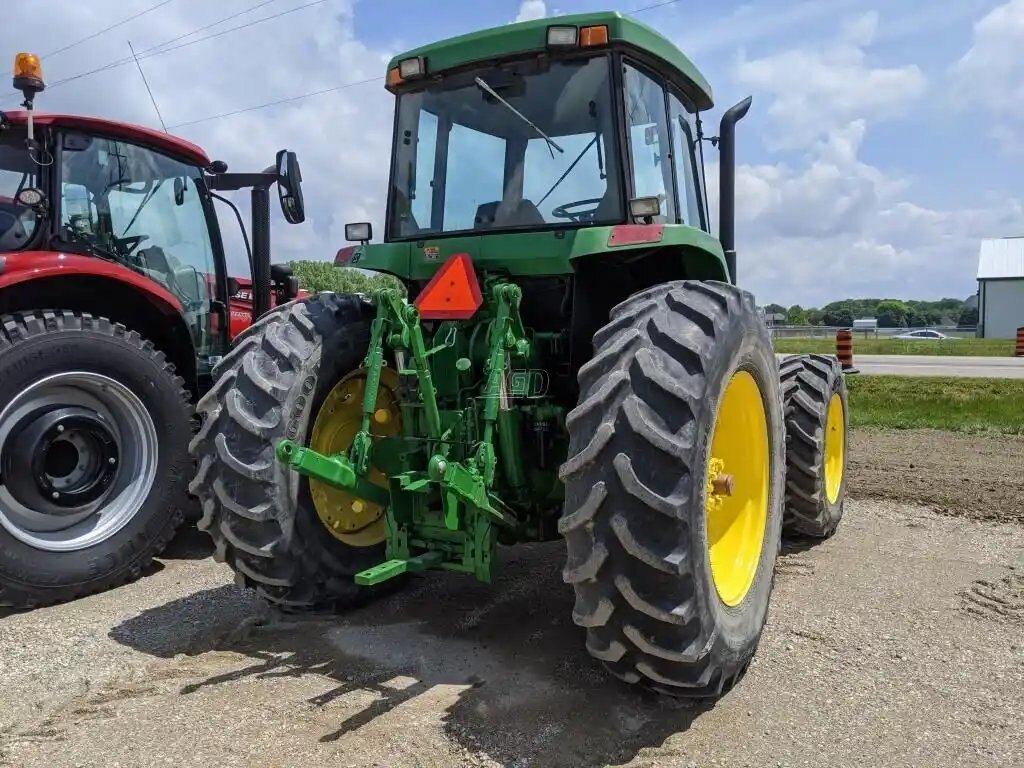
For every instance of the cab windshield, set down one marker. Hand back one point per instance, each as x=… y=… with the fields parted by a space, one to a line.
x=520 y=146
x=145 y=210
x=18 y=223
x=132 y=205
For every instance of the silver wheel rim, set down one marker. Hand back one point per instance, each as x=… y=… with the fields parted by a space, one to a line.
x=134 y=433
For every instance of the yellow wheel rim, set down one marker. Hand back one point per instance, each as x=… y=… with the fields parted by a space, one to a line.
x=739 y=468
x=835 y=448
x=354 y=521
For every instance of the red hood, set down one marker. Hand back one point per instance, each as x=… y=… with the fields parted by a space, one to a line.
x=185 y=150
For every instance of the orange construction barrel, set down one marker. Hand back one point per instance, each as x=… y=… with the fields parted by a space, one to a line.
x=1019 y=348
x=844 y=350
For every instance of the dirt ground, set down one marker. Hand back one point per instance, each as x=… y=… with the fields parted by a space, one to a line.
x=899 y=642
x=959 y=475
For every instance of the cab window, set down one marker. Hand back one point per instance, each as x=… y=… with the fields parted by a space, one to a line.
x=145 y=210
x=649 y=143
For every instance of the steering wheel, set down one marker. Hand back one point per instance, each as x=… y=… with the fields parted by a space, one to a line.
x=562 y=212
x=128 y=244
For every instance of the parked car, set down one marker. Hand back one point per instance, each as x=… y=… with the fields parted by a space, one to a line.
x=926 y=335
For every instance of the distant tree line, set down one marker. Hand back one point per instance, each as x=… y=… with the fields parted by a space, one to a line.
x=316 y=276
x=890 y=313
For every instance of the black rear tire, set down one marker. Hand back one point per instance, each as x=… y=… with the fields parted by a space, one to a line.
x=35 y=345
x=260 y=513
x=809 y=382
x=636 y=488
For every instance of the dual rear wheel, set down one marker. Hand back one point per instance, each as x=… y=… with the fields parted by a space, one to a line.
x=688 y=455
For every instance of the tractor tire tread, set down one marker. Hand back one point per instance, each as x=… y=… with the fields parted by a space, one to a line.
x=636 y=426
x=249 y=498
x=808 y=384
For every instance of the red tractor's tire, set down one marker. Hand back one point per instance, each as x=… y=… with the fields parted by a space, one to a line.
x=96 y=381
x=640 y=557
x=816 y=445
x=259 y=512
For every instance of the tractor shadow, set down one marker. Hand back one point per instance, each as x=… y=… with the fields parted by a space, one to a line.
x=506 y=662
x=189 y=543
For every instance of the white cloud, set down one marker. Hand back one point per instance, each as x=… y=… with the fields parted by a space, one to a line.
x=826 y=224
x=529 y=10
x=817 y=89
x=991 y=73
x=342 y=138
x=834 y=226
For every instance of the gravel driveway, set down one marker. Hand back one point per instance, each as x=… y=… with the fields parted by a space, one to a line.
x=899 y=642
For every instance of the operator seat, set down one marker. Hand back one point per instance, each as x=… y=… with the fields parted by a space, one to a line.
x=517 y=213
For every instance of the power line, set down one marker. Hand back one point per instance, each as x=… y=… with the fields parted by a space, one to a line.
x=654 y=5
x=279 y=101
x=69 y=46
x=250 y=9
x=159 y=50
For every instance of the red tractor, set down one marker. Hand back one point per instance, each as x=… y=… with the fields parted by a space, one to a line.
x=115 y=305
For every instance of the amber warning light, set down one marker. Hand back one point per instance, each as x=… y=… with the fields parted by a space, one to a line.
x=28 y=73
x=453 y=293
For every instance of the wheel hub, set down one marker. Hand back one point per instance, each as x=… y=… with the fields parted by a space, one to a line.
x=78 y=456
x=352 y=520
x=59 y=461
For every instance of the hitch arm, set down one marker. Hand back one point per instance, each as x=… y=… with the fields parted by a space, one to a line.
x=337 y=471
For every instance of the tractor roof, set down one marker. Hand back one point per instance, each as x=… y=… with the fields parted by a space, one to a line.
x=163 y=142
x=531 y=36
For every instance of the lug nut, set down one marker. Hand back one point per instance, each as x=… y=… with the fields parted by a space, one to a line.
x=55 y=495
x=111 y=460
x=60 y=427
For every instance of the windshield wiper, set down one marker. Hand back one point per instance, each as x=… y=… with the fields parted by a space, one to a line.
x=568 y=170
x=520 y=115
x=142 y=205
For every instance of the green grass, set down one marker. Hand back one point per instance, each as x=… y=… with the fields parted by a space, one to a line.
x=994 y=406
x=954 y=347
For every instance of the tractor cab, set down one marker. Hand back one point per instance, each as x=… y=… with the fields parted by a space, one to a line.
x=549 y=129
x=92 y=195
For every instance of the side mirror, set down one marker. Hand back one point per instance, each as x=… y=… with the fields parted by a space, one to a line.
x=233 y=287
x=359 y=233
x=289 y=187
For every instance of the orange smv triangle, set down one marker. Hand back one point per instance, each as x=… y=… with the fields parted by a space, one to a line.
x=453 y=293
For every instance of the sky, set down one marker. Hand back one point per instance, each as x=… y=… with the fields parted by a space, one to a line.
x=883 y=143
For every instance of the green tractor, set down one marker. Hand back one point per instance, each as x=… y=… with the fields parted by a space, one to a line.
x=576 y=362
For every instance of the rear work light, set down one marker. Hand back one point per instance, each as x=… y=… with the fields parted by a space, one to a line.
x=562 y=37
x=410 y=69
x=407 y=69
x=571 y=37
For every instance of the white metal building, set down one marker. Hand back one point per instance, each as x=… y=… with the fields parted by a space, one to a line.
x=1001 y=288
